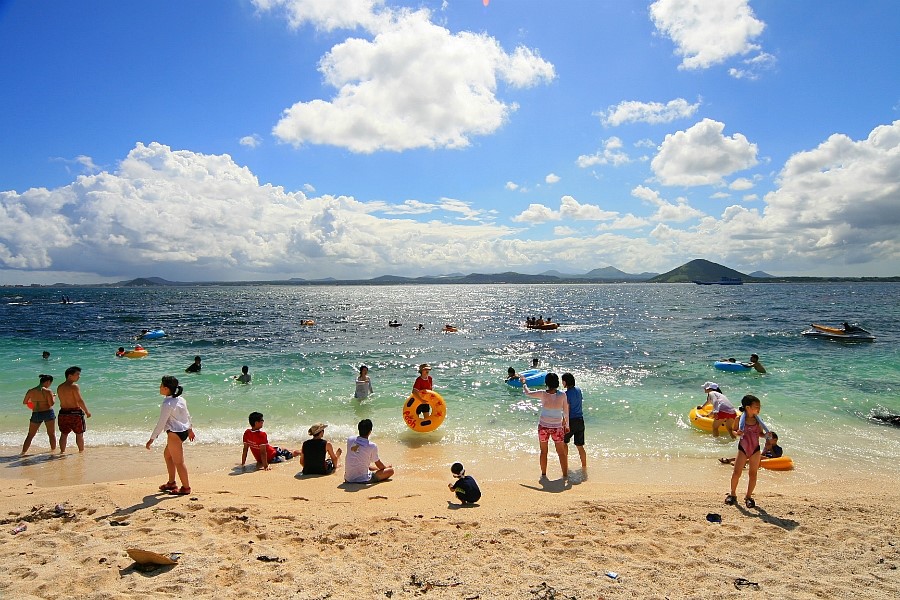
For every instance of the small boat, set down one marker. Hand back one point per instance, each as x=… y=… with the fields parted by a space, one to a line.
x=307 y=322
x=543 y=326
x=847 y=333
x=722 y=281
x=395 y=324
x=450 y=329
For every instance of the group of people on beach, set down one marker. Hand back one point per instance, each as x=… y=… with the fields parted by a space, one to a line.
x=751 y=430
x=72 y=410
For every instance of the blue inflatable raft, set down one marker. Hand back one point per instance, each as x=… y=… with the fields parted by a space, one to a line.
x=727 y=365
x=533 y=378
x=154 y=334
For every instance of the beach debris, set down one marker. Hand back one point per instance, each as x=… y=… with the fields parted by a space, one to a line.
x=714 y=517
x=19 y=529
x=41 y=513
x=424 y=585
x=146 y=557
x=119 y=523
x=546 y=592
x=612 y=575
x=740 y=583
x=276 y=559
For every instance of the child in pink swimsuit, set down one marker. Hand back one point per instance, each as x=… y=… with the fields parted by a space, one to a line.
x=750 y=428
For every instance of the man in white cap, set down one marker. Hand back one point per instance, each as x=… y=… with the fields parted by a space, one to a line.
x=317 y=455
x=723 y=410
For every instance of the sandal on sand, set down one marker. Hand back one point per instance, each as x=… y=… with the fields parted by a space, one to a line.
x=169 y=486
x=730 y=500
x=740 y=583
x=749 y=502
x=182 y=491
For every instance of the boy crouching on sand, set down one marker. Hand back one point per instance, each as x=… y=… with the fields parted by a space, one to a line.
x=256 y=440
x=465 y=487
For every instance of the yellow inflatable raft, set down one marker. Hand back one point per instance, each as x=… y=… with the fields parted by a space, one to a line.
x=136 y=353
x=701 y=419
x=425 y=413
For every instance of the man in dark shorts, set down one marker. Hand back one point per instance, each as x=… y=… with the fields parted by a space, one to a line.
x=72 y=410
x=576 y=418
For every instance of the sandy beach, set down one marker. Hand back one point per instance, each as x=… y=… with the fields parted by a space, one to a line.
x=276 y=534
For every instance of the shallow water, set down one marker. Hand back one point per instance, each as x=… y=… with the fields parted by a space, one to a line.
x=639 y=352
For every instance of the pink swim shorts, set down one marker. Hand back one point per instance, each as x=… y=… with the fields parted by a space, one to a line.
x=546 y=433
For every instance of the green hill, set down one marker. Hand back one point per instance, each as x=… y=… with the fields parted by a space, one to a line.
x=699 y=270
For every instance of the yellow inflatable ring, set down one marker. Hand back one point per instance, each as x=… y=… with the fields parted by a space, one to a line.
x=782 y=463
x=136 y=354
x=425 y=413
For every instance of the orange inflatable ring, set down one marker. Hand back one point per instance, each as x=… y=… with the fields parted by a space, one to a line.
x=425 y=413
x=136 y=354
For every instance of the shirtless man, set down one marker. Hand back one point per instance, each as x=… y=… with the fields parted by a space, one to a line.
x=41 y=400
x=72 y=410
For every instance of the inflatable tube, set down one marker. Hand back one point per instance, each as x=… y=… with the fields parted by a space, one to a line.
x=136 y=354
x=782 y=463
x=533 y=378
x=307 y=322
x=155 y=334
x=450 y=329
x=727 y=365
x=700 y=418
x=425 y=413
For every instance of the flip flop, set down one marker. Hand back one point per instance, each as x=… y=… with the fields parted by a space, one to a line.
x=749 y=502
x=730 y=500
x=741 y=583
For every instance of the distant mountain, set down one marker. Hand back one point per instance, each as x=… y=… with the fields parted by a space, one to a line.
x=617 y=275
x=603 y=274
x=761 y=275
x=148 y=282
x=698 y=270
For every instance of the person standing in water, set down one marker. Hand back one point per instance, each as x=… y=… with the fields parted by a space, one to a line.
x=363 y=384
x=576 y=419
x=40 y=399
x=553 y=423
x=72 y=410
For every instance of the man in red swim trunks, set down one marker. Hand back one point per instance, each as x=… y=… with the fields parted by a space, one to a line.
x=72 y=410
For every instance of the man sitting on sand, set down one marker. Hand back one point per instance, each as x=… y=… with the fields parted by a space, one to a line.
x=72 y=410
x=362 y=463
x=317 y=455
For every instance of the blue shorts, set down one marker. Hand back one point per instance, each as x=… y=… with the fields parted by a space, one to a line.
x=281 y=455
x=42 y=416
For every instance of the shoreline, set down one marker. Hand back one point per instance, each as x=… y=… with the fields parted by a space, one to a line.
x=316 y=538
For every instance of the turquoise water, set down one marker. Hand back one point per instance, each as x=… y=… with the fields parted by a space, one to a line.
x=640 y=353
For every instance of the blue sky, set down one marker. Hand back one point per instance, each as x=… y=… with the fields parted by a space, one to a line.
x=269 y=139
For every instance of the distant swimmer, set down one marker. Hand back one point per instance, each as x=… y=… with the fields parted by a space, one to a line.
x=45 y=355
x=120 y=352
x=195 y=366
x=244 y=377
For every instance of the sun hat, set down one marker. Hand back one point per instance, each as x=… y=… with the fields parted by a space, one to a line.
x=317 y=428
x=709 y=385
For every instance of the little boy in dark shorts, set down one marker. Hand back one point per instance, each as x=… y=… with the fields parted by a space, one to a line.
x=465 y=487
x=256 y=440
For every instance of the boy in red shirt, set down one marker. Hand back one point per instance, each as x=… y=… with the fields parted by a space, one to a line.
x=256 y=440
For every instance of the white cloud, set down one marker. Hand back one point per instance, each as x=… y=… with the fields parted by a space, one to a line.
x=564 y=231
x=251 y=141
x=610 y=155
x=740 y=184
x=753 y=66
x=511 y=186
x=701 y=155
x=552 y=178
x=720 y=196
x=707 y=32
x=309 y=188
x=666 y=211
x=628 y=221
x=536 y=213
x=632 y=111
x=412 y=84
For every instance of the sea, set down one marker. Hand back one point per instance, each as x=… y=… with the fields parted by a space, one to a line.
x=639 y=352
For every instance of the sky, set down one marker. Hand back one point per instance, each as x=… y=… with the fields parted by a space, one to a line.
x=272 y=139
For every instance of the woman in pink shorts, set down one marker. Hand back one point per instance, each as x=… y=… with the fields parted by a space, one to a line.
x=554 y=422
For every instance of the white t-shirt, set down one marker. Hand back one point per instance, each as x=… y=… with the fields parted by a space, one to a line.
x=360 y=454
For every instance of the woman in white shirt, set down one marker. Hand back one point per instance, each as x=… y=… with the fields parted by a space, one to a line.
x=554 y=422
x=175 y=420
